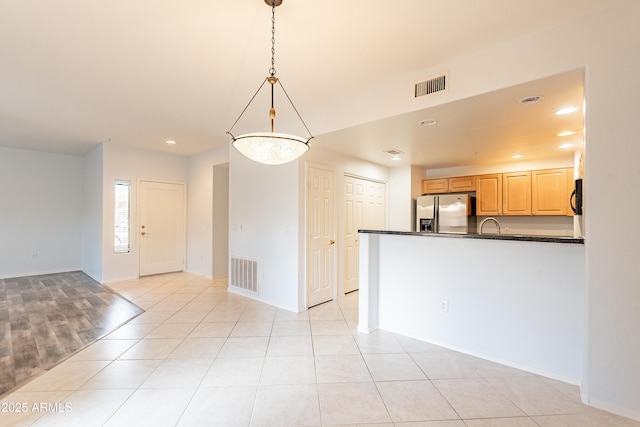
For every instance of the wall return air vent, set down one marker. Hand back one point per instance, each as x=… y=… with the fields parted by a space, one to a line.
x=244 y=274
x=436 y=84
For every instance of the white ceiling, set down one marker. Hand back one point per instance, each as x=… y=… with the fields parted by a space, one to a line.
x=75 y=73
x=484 y=129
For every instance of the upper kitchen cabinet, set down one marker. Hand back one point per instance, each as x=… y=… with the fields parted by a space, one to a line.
x=489 y=194
x=538 y=192
x=516 y=193
x=461 y=184
x=549 y=191
x=435 y=186
x=458 y=184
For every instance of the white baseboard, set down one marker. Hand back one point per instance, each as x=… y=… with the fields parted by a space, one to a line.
x=614 y=409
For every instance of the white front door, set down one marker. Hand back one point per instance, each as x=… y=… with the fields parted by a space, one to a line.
x=320 y=236
x=354 y=201
x=162 y=230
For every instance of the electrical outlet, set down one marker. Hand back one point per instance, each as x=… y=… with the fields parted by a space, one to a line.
x=444 y=305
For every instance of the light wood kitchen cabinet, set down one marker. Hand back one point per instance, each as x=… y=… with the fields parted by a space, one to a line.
x=461 y=184
x=489 y=194
x=538 y=192
x=549 y=192
x=435 y=186
x=516 y=196
x=458 y=184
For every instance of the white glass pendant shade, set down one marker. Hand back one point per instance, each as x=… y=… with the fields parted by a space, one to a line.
x=271 y=148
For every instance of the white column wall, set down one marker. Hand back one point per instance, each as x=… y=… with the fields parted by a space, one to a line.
x=612 y=373
x=92 y=214
x=201 y=247
x=400 y=201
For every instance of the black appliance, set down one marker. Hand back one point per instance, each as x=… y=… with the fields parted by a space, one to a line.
x=576 y=198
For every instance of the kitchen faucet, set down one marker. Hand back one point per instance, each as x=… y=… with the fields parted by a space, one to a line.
x=487 y=219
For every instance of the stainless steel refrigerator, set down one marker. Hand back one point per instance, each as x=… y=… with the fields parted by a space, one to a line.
x=446 y=213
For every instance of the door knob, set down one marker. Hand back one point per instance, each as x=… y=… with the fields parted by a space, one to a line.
x=332 y=242
x=144 y=233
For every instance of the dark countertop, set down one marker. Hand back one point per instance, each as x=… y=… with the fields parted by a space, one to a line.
x=516 y=237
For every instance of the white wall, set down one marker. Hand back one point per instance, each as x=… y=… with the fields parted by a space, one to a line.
x=201 y=245
x=501 y=305
x=263 y=217
x=612 y=156
x=121 y=163
x=92 y=214
x=40 y=212
x=400 y=200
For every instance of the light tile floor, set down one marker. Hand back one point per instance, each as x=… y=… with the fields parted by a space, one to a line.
x=201 y=356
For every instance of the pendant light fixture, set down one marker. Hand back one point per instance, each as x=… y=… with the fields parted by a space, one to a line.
x=271 y=148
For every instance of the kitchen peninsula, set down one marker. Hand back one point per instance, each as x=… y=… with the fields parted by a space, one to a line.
x=516 y=300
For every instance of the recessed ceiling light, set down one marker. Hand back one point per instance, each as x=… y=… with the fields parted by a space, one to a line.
x=428 y=122
x=531 y=99
x=171 y=142
x=565 y=146
x=517 y=156
x=396 y=158
x=566 y=110
x=566 y=133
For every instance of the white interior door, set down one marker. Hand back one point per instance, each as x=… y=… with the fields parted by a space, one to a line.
x=365 y=208
x=354 y=200
x=375 y=212
x=320 y=236
x=162 y=228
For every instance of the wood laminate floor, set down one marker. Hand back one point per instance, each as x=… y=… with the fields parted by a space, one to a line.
x=45 y=319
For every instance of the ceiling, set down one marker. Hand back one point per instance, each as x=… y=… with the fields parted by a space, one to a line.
x=487 y=129
x=74 y=74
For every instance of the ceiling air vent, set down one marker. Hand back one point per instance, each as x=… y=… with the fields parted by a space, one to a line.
x=427 y=87
x=394 y=152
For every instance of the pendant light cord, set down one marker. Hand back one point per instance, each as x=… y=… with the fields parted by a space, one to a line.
x=272 y=72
